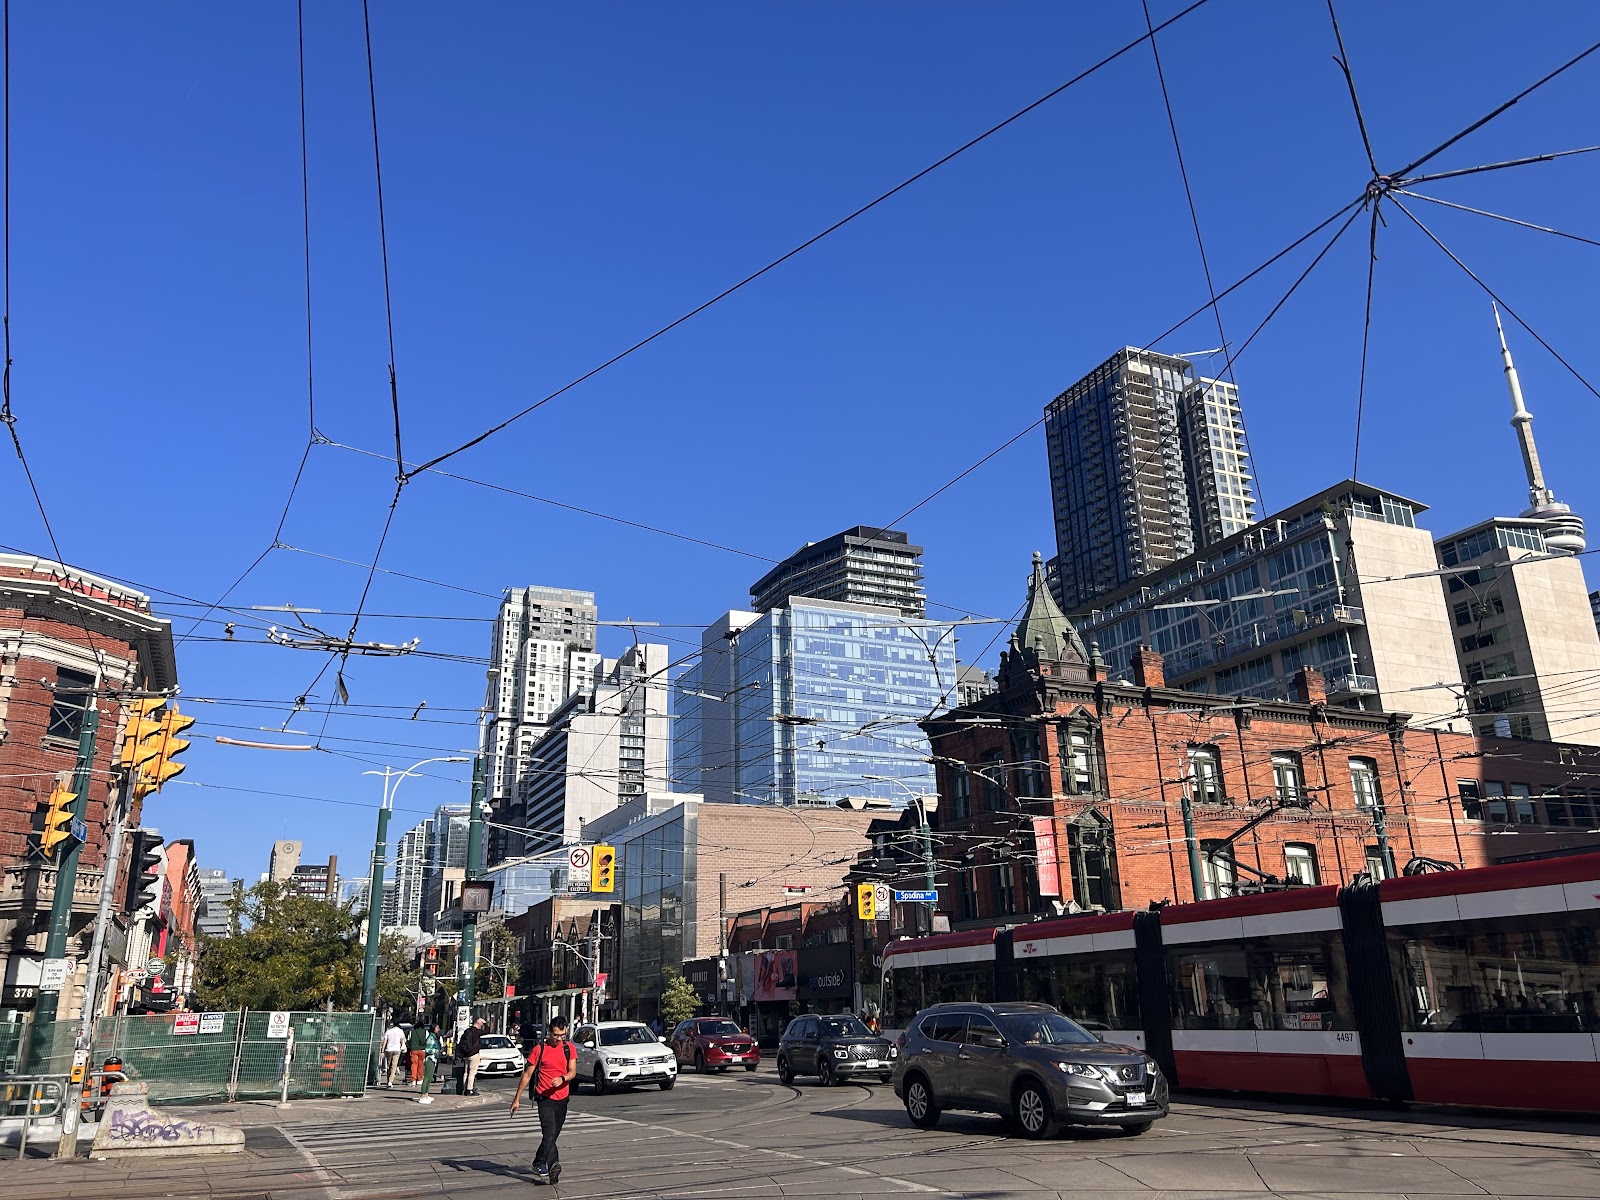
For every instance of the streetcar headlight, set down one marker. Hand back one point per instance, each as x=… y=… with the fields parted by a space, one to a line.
x=1077 y=1069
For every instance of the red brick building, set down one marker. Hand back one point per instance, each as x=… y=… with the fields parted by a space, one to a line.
x=1065 y=788
x=67 y=639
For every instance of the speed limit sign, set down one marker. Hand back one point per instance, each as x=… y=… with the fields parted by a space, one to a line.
x=578 y=858
x=882 y=895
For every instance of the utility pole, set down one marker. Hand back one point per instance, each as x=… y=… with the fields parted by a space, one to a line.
x=1197 y=877
x=469 y=920
x=926 y=837
x=380 y=852
x=44 y=1013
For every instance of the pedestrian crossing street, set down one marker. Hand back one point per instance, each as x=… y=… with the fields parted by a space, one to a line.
x=335 y=1144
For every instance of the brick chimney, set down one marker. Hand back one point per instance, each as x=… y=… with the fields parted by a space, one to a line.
x=1147 y=668
x=1308 y=686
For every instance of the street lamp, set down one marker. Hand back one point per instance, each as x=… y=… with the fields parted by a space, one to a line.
x=380 y=849
x=923 y=832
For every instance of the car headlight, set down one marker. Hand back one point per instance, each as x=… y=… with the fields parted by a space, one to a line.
x=1077 y=1069
x=841 y=1054
x=893 y=1052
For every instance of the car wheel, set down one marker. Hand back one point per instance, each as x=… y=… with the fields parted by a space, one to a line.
x=1031 y=1108
x=785 y=1075
x=600 y=1085
x=1135 y=1130
x=750 y=1066
x=666 y=1084
x=699 y=1063
x=924 y=1113
x=825 y=1075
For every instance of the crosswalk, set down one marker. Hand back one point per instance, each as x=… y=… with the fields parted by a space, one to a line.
x=340 y=1144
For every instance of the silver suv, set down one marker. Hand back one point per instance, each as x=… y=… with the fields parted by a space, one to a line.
x=1026 y=1062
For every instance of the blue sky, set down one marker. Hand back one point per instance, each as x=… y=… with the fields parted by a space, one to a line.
x=561 y=181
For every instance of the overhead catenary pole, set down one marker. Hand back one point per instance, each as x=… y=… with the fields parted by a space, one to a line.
x=469 y=920
x=380 y=851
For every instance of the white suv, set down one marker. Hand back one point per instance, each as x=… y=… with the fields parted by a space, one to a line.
x=614 y=1054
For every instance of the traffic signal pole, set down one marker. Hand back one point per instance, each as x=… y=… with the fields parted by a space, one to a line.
x=44 y=1013
x=380 y=852
x=469 y=920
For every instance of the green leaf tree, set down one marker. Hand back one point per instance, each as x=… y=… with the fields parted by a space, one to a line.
x=496 y=945
x=678 y=999
x=291 y=952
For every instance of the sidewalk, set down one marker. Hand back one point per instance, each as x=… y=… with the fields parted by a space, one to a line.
x=270 y=1163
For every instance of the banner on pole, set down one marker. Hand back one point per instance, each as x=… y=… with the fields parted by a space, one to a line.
x=1044 y=842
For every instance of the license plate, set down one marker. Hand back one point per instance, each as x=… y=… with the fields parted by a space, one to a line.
x=872 y=1062
x=1135 y=1099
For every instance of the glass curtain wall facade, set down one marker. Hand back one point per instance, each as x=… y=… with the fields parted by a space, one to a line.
x=658 y=905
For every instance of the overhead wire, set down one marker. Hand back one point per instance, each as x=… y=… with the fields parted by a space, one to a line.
x=1467 y=208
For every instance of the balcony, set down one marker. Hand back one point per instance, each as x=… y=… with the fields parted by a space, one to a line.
x=1350 y=685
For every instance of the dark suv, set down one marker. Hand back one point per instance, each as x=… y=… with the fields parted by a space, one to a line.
x=833 y=1049
x=1026 y=1062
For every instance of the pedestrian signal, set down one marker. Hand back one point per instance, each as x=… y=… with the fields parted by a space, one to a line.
x=57 y=819
x=603 y=869
x=866 y=902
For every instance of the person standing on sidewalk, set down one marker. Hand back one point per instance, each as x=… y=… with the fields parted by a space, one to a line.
x=394 y=1043
x=551 y=1069
x=468 y=1046
x=417 y=1046
x=432 y=1047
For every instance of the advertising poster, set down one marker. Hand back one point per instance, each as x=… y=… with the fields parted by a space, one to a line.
x=777 y=975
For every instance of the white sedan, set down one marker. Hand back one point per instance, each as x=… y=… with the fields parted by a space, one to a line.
x=614 y=1054
x=499 y=1055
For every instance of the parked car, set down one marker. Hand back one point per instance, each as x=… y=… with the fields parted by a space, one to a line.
x=1026 y=1062
x=833 y=1049
x=613 y=1054
x=714 y=1044
x=498 y=1054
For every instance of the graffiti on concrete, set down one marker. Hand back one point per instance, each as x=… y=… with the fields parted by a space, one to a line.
x=148 y=1127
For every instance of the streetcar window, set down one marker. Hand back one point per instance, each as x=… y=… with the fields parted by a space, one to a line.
x=1295 y=982
x=908 y=990
x=1516 y=974
x=1101 y=989
x=902 y=996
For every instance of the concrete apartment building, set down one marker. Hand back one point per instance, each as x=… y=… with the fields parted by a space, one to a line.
x=684 y=863
x=863 y=565
x=606 y=745
x=1342 y=581
x=68 y=640
x=542 y=653
x=216 y=898
x=1147 y=465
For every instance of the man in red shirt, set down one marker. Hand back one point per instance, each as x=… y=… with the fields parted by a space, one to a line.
x=551 y=1068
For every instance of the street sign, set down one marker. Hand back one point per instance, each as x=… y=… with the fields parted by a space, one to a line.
x=511 y=990
x=421 y=1004
x=922 y=896
x=185 y=1024
x=211 y=1022
x=53 y=974
x=475 y=896
x=139 y=974
x=278 y=1025
x=156 y=966
x=881 y=893
x=463 y=1017
x=579 y=857
x=80 y=830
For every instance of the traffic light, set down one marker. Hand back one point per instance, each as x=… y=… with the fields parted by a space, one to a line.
x=58 y=818
x=145 y=869
x=603 y=869
x=141 y=737
x=161 y=767
x=867 y=901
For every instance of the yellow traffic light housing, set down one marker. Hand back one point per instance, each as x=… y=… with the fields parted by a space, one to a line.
x=58 y=819
x=867 y=901
x=141 y=737
x=158 y=769
x=603 y=869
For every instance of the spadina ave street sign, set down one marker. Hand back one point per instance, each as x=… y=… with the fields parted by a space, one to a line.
x=917 y=897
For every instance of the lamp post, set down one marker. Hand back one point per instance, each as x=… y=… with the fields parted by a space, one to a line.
x=924 y=834
x=380 y=849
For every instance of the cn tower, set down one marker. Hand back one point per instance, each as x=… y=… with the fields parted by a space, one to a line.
x=1563 y=528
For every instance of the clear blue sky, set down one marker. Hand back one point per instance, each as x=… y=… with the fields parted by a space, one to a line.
x=561 y=180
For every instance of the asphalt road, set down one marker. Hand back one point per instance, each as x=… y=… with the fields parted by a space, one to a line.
x=739 y=1136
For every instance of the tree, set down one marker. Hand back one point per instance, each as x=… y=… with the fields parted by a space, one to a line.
x=496 y=944
x=678 y=999
x=397 y=976
x=292 y=952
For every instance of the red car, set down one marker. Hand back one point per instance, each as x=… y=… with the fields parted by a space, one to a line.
x=714 y=1044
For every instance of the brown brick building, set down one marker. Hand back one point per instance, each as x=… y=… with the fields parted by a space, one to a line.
x=67 y=639
x=1068 y=788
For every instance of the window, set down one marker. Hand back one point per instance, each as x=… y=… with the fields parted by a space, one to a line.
x=1030 y=770
x=1217 y=871
x=960 y=793
x=1101 y=988
x=1205 y=771
x=1377 y=864
x=1092 y=860
x=1300 y=863
x=1496 y=808
x=1364 y=782
x=1521 y=797
x=993 y=772
x=74 y=693
x=1471 y=794
x=1079 y=766
x=1286 y=779
x=1294 y=981
x=1005 y=890
x=967 y=901
x=978 y=1028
